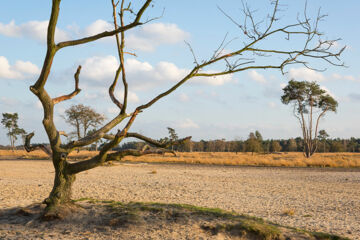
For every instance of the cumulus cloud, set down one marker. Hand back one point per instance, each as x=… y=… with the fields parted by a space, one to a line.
x=351 y=78
x=33 y=29
x=149 y=36
x=145 y=38
x=187 y=123
x=20 y=70
x=141 y=75
x=144 y=76
x=97 y=27
x=213 y=81
x=132 y=97
x=305 y=74
x=99 y=68
x=257 y=77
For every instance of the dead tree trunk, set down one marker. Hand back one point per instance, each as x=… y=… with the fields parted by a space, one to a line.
x=236 y=61
x=60 y=195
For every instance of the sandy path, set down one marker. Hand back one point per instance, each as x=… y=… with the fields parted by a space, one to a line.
x=323 y=200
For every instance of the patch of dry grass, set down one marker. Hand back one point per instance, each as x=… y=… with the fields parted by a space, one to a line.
x=280 y=160
x=293 y=159
x=39 y=154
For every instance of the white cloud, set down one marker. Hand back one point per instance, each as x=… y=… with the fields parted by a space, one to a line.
x=305 y=74
x=141 y=75
x=20 y=70
x=351 y=78
x=132 y=97
x=166 y=71
x=149 y=36
x=187 y=123
x=26 y=67
x=213 y=81
x=257 y=77
x=33 y=29
x=6 y=71
x=144 y=38
x=97 y=27
x=99 y=68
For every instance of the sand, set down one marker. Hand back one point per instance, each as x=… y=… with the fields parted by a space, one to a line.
x=326 y=200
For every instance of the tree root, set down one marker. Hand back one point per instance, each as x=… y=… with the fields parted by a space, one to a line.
x=60 y=211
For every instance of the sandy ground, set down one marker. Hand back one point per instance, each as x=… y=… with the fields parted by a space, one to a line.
x=325 y=200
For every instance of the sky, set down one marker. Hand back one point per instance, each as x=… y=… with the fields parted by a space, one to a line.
x=205 y=108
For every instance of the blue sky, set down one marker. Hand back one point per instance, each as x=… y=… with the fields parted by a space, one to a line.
x=228 y=107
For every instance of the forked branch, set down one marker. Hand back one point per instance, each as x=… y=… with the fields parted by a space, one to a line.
x=98 y=159
x=74 y=93
x=104 y=34
x=32 y=147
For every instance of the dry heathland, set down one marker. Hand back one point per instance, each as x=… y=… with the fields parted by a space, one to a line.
x=291 y=159
x=315 y=199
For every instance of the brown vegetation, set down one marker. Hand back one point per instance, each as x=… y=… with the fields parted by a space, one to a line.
x=281 y=159
x=293 y=159
x=137 y=220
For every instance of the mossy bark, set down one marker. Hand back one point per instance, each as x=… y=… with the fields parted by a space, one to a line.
x=59 y=201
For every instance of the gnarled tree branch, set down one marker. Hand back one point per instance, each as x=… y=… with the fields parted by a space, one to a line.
x=97 y=134
x=117 y=156
x=32 y=147
x=99 y=159
x=135 y=23
x=150 y=140
x=74 y=93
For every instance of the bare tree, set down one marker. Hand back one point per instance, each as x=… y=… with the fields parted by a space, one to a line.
x=234 y=61
x=307 y=98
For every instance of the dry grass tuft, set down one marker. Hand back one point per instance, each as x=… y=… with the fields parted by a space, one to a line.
x=288 y=212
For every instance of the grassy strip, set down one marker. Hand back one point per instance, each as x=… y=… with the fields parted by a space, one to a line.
x=291 y=159
x=225 y=221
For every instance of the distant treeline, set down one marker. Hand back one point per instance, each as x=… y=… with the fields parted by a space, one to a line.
x=255 y=145
x=249 y=145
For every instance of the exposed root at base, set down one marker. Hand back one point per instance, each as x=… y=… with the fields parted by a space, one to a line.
x=60 y=212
